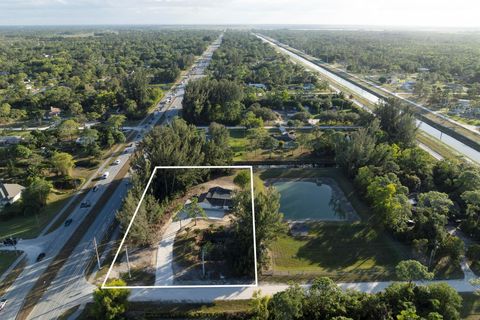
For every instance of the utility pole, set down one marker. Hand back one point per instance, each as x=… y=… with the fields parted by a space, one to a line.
x=96 y=251
x=128 y=262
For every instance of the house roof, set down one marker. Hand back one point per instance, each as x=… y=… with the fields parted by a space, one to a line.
x=10 y=190
x=219 y=193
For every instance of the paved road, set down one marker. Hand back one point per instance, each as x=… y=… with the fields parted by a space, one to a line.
x=70 y=287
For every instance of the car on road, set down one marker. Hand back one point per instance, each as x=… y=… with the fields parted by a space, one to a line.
x=40 y=256
x=116 y=161
x=85 y=204
x=105 y=175
x=3 y=302
x=95 y=189
x=68 y=222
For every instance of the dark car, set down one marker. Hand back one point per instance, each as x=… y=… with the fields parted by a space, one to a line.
x=68 y=222
x=85 y=204
x=95 y=189
x=41 y=256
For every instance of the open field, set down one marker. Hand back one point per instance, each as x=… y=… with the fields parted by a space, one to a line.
x=30 y=225
x=341 y=251
x=239 y=144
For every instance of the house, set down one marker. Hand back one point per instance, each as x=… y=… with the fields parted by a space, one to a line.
x=54 y=112
x=408 y=85
x=308 y=86
x=9 y=140
x=9 y=193
x=216 y=197
x=285 y=135
x=258 y=86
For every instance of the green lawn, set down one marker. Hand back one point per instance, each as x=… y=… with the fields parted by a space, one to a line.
x=6 y=259
x=30 y=226
x=342 y=251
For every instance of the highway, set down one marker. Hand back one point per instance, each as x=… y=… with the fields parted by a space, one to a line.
x=460 y=147
x=70 y=287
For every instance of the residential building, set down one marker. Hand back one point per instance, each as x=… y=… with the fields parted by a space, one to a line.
x=10 y=192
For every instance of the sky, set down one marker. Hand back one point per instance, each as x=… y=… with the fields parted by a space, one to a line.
x=410 y=13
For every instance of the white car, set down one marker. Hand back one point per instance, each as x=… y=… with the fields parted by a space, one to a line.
x=105 y=175
x=116 y=161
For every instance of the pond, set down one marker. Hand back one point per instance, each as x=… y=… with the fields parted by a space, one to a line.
x=313 y=199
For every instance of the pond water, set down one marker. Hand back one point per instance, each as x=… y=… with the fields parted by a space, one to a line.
x=313 y=200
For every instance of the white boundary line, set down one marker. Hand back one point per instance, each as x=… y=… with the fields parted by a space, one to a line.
x=187 y=286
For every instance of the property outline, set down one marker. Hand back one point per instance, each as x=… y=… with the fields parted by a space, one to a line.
x=255 y=284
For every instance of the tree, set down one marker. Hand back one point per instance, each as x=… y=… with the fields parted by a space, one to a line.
x=288 y=304
x=390 y=201
x=22 y=152
x=356 y=150
x=398 y=122
x=194 y=210
x=67 y=129
x=217 y=149
x=259 y=306
x=63 y=163
x=110 y=304
x=412 y=270
x=472 y=200
x=242 y=179
x=268 y=226
x=116 y=120
x=36 y=193
x=250 y=120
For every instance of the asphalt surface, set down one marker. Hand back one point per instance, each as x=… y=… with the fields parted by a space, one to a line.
x=70 y=287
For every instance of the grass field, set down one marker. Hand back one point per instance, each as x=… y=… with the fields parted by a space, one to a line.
x=341 y=251
x=239 y=143
x=29 y=226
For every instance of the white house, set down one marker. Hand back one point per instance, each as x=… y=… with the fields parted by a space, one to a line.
x=10 y=192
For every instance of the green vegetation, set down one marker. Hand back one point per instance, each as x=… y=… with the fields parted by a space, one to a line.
x=251 y=84
x=110 y=303
x=343 y=251
x=93 y=76
x=6 y=259
x=177 y=143
x=438 y=68
x=325 y=300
